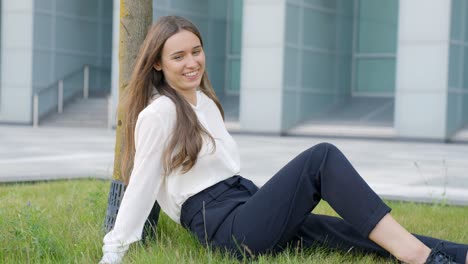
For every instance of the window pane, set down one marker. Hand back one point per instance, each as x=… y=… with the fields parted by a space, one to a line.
x=319 y=29
x=465 y=69
x=215 y=44
x=292 y=24
x=454 y=66
x=465 y=107
x=216 y=68
x=322 y=3
x=318 y=71
x=454 y=115
x=218 y=9
x=344 y=74
x=290 y=67
x=234 y=76
x=379 y=10
x=236 y=26
x=456 y=20
x=376 y=37
x=191 y=6
x=377 y=26
x=375 y=75
x=345 y=33
x=465 y=14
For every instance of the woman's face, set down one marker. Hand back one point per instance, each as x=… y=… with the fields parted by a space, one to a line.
x=182 y=61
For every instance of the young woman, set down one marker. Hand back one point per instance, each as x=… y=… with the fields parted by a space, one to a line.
x=178 y=153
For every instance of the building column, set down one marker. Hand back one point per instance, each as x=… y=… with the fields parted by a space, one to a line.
x=422 y=69
x=16 y=60
x=263 y=45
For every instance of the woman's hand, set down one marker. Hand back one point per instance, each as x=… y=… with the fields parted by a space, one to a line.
x=111 y=258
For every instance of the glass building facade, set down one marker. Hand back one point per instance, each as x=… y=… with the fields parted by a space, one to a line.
x=43 y=42
x=276 y=65
x=458 y=66
x=380 y=63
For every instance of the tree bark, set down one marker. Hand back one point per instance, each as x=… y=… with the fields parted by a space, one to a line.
x=135 y=20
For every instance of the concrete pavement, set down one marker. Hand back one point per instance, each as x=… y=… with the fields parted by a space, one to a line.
x=417 y=171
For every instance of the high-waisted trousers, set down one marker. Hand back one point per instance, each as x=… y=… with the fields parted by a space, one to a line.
x=237 y=216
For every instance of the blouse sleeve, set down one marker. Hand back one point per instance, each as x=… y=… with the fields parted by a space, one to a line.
x=141 y=191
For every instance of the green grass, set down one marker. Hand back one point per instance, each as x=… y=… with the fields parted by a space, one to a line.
x=61 y=222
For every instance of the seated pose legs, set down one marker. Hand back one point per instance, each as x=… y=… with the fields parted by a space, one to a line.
x=279 y=212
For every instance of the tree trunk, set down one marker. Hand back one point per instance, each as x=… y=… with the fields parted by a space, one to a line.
x=135 y=19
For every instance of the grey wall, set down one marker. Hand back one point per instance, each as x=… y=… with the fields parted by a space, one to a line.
x=317 y=58
x=67 y=35
x=16 y=52
x=422 y=69
x=0 y=57
x=262 y=64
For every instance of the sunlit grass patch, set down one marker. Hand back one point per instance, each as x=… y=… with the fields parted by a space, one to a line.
x=61 y=222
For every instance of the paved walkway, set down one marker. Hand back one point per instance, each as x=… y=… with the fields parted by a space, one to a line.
x=397 y=170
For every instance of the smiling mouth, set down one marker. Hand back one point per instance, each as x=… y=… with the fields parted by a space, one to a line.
x=191 y=74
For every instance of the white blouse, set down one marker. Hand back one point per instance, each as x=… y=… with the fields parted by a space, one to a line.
x=152 y=133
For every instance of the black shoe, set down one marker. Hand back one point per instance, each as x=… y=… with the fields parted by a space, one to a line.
x=438 y=256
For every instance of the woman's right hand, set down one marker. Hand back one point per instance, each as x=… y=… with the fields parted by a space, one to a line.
x=111 y=258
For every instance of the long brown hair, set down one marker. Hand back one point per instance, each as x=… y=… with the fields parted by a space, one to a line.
x=187 y=137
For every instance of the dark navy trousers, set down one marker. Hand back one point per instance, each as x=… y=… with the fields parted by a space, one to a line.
x=237 y=216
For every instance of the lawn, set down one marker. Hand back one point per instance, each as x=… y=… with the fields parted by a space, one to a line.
x=61 y=222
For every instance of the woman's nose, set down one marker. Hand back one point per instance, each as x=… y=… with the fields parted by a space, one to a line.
x=191 y=61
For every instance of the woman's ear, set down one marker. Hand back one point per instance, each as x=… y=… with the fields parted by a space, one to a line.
x=157 y=66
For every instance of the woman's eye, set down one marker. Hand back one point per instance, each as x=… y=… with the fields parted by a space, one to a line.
x=178 y=57
x=196 y=52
